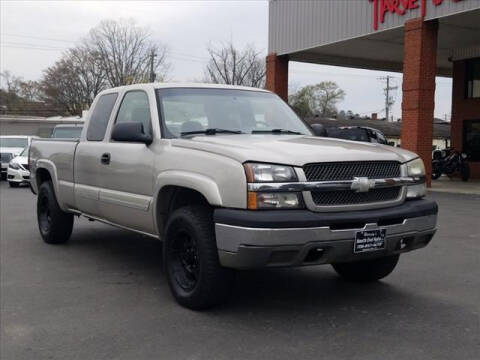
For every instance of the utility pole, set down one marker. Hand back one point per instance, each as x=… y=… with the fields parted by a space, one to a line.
x=152 y=60
x=388 y=99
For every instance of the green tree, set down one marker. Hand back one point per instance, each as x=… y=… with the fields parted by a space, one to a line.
x=320 y=99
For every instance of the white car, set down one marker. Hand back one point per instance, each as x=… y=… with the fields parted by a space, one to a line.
x=10 y=147
x=18 y=172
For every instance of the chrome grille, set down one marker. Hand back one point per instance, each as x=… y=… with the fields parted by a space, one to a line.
x=350 y=197
x=335 y=171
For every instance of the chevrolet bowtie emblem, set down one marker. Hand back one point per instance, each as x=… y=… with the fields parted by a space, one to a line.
x=362 y=184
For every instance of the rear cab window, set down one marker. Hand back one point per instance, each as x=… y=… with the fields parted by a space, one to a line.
x=101 y=114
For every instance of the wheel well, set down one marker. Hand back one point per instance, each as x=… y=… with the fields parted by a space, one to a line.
x=172 y=198
x=42 y=175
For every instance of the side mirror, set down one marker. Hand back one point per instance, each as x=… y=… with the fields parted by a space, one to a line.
x=131 y=131
x=319 y=130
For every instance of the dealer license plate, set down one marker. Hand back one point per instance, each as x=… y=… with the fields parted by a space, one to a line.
x=369 y=240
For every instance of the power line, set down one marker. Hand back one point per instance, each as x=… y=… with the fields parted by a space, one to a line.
x=39 y=38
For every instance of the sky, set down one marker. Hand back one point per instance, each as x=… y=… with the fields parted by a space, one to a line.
x=35 y=33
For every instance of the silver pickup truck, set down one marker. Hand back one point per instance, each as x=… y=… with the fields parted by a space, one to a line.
x=230 y=178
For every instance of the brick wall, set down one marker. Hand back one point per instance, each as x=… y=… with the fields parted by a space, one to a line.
x=277 y=75
x=463 y=109
x=419 y=70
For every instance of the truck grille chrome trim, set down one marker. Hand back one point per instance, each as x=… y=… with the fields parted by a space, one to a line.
x=331 y=185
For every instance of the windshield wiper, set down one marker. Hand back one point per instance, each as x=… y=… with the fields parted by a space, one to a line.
x=276 y=131
x=212 y=131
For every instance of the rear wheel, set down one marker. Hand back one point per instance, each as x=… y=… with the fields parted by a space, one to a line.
x=13 y=184
x=369 y=270
x=54 y=224
x=194 y=274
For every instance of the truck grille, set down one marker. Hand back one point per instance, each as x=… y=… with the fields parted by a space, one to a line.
x=335 y=171
x=350 y=197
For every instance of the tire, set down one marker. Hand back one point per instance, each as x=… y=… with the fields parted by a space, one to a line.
x=366 y=271
x=465 y=172
x=13 y=184
x=195 y=277
x=436 y=173
x=54 y=224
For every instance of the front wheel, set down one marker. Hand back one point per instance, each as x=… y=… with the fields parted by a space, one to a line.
x=194 y=274
x=465 y=172
x=368 y=270
x=13 y=184
x=436 y=172
x=54 y=224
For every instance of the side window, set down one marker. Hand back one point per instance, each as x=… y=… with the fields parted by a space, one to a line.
x=135 y=107
x=100 y=116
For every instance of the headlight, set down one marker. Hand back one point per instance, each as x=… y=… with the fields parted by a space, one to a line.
x=270 y=173
x=416 y=169
x=14 y=166
x=275 y=200
x=257 y=172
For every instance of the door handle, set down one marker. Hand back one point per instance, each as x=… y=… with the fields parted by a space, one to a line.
x=105 y=159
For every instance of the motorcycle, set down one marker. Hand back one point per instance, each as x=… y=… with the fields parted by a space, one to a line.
x=448 y=162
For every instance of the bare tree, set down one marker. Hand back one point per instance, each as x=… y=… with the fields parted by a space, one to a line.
x=74 y=81
x=124 y=52
x=228 y=65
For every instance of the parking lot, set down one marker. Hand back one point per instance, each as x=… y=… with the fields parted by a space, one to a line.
x=104 y=296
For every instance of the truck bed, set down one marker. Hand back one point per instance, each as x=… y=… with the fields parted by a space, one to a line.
x=56 y=155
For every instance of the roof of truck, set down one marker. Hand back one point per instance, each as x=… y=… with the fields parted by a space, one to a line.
x=187 y=85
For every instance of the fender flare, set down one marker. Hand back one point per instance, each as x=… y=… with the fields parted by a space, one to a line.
x=190 y=180
x=52 y=170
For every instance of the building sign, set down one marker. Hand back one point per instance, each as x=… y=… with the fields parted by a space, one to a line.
x=400 y=7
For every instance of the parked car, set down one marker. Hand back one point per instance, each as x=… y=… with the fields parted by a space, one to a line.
x=10 y=147
x=230 y=178
x=67 y=131
x=18 y=172
x=358 y=133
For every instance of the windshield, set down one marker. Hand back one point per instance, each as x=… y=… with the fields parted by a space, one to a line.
x=13 y=142
x=67 y=132
x=355 y=134
x=186 y=110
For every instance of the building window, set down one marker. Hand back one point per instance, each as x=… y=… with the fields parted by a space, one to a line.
x=473 y=79
x=471 y=139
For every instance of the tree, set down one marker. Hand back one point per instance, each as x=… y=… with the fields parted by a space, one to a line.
x=319 y=99
x=19 y=97
x=228 y=65
x=124 y=52
x=73 y=82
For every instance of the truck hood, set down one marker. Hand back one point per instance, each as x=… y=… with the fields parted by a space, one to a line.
x=22 y=160
x=295 y=150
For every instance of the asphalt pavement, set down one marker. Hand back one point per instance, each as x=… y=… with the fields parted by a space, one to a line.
x=104 y=296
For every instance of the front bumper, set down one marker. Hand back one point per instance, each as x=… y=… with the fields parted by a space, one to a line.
x=253 y=239
x=18 y=176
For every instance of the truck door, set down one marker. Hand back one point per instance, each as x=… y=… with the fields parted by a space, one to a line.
x=87 y=162
x=126 y=191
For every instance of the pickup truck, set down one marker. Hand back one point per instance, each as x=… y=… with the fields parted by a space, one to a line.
x=230 y=178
